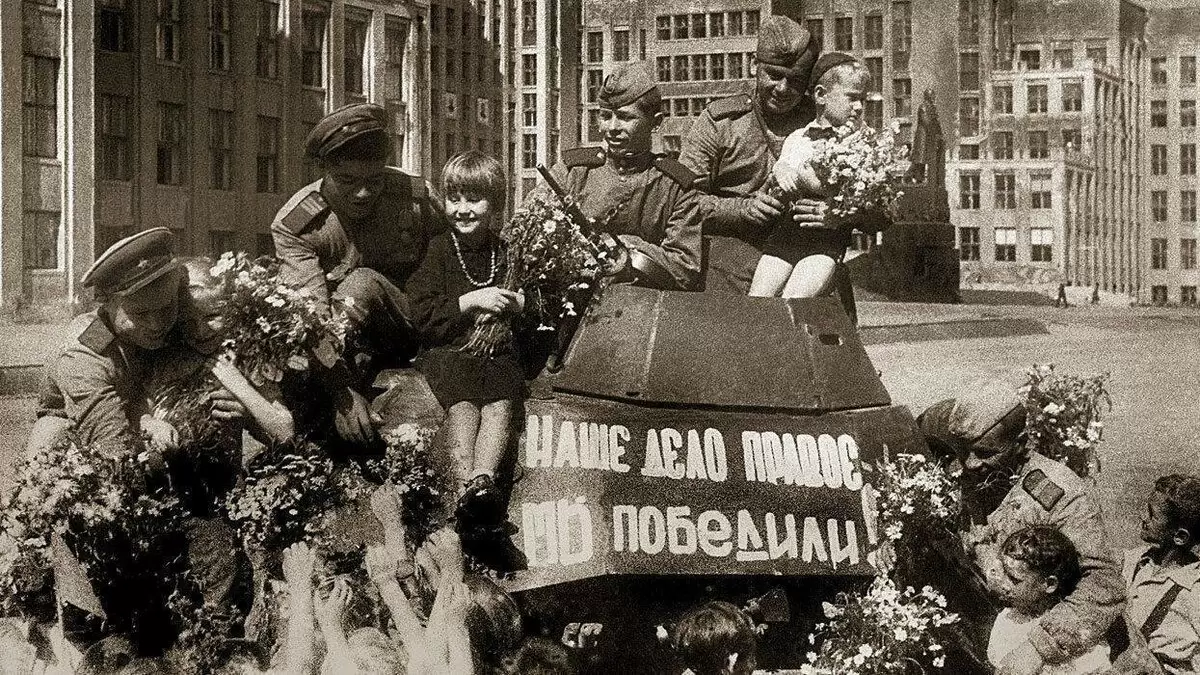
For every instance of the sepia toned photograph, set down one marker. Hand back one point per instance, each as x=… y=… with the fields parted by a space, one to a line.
x=591 y=337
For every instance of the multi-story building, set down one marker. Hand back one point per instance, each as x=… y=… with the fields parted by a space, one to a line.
x=1170 y=253
x=121 y=115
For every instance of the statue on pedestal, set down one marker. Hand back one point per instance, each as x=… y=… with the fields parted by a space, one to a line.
x=928 y=147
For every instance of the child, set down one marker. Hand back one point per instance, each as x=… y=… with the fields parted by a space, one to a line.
x=457 y=283
x=1040 y=567
x=716 y=638
x=799 y=262
x=1164 y=596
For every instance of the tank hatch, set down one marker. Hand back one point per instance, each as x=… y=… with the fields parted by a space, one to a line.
x=693 y=349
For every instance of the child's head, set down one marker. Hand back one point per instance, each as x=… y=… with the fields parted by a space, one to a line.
x=841 y=84
x=539 y=656
x=203 y=324
x=493 y=622
x=1040 y=565
x=716 y=638
x=474 y=186
x=1173 y=512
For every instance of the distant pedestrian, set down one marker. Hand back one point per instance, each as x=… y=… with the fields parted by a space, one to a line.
x=1096 y=294
x=1061 y=301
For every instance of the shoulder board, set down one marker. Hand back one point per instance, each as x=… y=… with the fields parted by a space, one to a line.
x=676 y=171
x=96 y=337
x=305 y=212
x=408 y=185
x=731 y=106
x=1045 y=491
x=591 y=157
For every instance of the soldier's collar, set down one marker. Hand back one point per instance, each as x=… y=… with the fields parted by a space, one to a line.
x=626 y=163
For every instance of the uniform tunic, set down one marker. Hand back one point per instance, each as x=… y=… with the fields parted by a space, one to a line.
x=1175 y=641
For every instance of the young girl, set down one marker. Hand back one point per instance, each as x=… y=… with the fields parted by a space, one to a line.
x=798 y=262
x=457 y=283
x=1040 y=567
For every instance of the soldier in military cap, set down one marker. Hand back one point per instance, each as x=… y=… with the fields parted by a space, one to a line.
x=358 y=233
x=645 y=200
x=981 y=430
x=735 y=142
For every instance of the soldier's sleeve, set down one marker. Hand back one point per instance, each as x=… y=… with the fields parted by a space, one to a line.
x=701 y=152
x=299 y=264
x=680 y=249
x=1083 y=618
x=86 y=381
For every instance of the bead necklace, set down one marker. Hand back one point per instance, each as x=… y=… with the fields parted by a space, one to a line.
x=490 y=281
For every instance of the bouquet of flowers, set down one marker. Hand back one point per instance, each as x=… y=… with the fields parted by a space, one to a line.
x=1063 y=416
x=206 y=632
x=271 y=327
x=917 y=495
x=860 y=169
x=548 y=256
x=408 y=465
x=885 y=630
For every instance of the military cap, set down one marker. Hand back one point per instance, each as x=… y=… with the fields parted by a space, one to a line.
x=133 y=262
x=628 y=84
x=981 y=408
x=783 y=42
x=342 y=125
x=828 y=62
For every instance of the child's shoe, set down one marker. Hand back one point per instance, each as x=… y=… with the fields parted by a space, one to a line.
x=481 y=503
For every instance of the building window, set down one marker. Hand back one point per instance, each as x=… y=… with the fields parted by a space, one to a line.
x=1037 y=99
x=968 y=151
x=816 y=28
x=1158 y=253
x=529 y=70
x=1187 y=159
x=1072 y=96
x=1064 y=58
x=1187 y=112
x=1031 y=59
x=1187 y=70
x=529 y=23
x=218 y=34
x=396 y=37
x=1039 y=145
x=716 y=25
x=875 y=68
x=968 y=117
x=968 y=72
x=1002 y=99
x=716 y=66
x=220 y=126
x=1187 y=254
x=1158 y=113
x=595 y=80
x=663 y=64
x=595 y=47
x=1187 y=295
x=681 y=68
x=873 y=112
x=902 y=96
x=843 y=34
x=1071 y=139
x=1158 y=205
x=736 y=70
x=663 y=27
x=1098 y=53
x=1158 y=295
x=529 y=109
x=1158 y=160
x=267 y=49
x=529 y=151
x=901 y=34
x=354 y=52
x=699 y=67
x=620 y=45
x=680 y=22
x=593 y=124
x=169 y=31
x=112 y=137
x=699 y=27
x=968 y=22
x=1002 y=145
x=172 y=132
x=752 y=20
x=1039 y=190
x=1187 y=206
x=312 y=47
x=112 y=26
x=1006 y=190
x=968 y=243
x=1158 y=70
x=1041 y=244
x=968 y=191
x=268 y=154
x=39 y=114
x=1006 y=244
x=873 y=31
x=40 y=234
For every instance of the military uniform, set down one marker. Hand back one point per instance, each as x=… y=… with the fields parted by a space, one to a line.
x=1164 y=605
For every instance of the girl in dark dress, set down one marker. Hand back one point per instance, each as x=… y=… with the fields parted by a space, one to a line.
x=457 y=282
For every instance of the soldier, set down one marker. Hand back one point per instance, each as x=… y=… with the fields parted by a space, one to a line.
x=645 y=200
x=982 y=431
x=358 y=233
x=735 y=142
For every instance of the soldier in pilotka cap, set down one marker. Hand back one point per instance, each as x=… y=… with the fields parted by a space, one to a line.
x=357 y=234
x=734 y=143
x=981 y=431
x=643 y=199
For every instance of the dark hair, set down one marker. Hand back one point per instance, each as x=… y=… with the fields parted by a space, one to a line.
x=540 y=656
x=493 y=621
x=370 y=146
x=1047 y=551
x=707 y=635
x=474 y=171
x=1183 y=501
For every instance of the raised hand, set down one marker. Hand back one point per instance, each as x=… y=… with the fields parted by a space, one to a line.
x=298 y=560
x=331 y=611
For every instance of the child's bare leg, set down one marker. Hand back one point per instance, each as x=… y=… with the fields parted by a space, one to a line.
x=462 y=426
x=492 y=441
x=769 y=277
x=813 y=277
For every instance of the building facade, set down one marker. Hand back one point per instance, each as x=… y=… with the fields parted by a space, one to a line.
x=133 y=114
